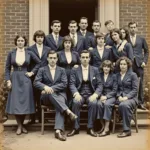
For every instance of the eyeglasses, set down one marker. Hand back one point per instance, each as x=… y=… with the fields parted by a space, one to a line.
x=52 y=57
x=84 y=57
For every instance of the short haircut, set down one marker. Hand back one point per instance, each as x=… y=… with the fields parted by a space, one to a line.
x=126 y=32
x=55 y=21
x=128 y=61
x=52 y=52
x=72 y=22
x=117 y=31
x=99 y=35
x=67 y=38
x=38 y=33
x=108 y=22
x=85 y=51
x=97 y=21
x=107 y=63
x=131 y=23
x=23 y=36
x=84 y=18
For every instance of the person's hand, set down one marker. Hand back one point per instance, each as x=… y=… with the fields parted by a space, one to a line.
x=78 y=97
x=93 y=97
x=76 y=66
x=121 y=99
x=108 y=46
x=48 y=90
x=120 y=49
x=90 y=48
x=9 y=85
x=143 y=64
x=29 y=74
x=103 y=98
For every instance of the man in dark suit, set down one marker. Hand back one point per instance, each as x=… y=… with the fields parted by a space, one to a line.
x=52 y=81
x=140 y=51
x=78 y=40
x=91 y=39
x=41 y=52
x=85 y=85
x=54 y=40
x=83 y=28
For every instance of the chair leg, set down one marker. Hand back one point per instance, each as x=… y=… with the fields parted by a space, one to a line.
x=136 y=124
x=114 y=121
x=42 y=123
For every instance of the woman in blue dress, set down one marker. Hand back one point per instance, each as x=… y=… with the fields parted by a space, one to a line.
x=20 y=98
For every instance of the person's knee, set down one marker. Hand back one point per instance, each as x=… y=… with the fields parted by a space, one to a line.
x=93 y=103
x=76 y=103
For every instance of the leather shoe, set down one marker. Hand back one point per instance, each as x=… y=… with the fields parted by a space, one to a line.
x=141 y=106
x=72 y=116
x=124 y=134
x=100 y=131
x=24 y=130
x=73 y=132
x=91 y=132
x=18 y=132
x=32 y=121
x=104 y=133
x=60 y=136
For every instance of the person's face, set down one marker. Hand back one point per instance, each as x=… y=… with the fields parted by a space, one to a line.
x=123 y=66
x=20 y=42
x=56 y=28
x=110 y=26
x=115 y=36
x=83 y=24
x=39 y=40
x=123 y=32
x=96 y=27
x=106 y=69
x=85 y=59
x=52 y=59
x=73 y=28
x=67 y=45
x=100 y=41
x=133 y=29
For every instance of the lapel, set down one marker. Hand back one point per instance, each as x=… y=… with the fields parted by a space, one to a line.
x=43 y=51
x=136 y=41
x=57 y=74
x=64 y=59
x=91 y=72
x=97 y=53
x=13 y=55
x=52 y=39
x=35 y=50
x=59 y=42
x=47 y=71
x=79 y=71
x=126 y=75
x=79 y=41
x=104 y=53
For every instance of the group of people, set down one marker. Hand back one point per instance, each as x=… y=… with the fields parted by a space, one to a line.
x=83 y=67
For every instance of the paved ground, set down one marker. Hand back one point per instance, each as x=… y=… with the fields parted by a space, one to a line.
x=35 y=141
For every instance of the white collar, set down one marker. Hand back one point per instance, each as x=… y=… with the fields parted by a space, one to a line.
x=52 y=68
x=85 y=68
x=83 y=31
x=54 y=35
x=39 y=46
x=71 y=35
x=100 y=48
x=20 y=50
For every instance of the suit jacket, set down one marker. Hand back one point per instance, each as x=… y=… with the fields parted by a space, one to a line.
x=11 y=61
x=43 y=58
x=110 y=86
x=44 y=78
x=76 y=80
x=96 y=60
x=91 y=41
x=108 y=40
x=128 y=86
x=140 y=45
x=127 y=51
x=50 y=42
x=86 y=35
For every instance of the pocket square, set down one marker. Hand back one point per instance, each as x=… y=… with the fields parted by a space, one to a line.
x=94 y=78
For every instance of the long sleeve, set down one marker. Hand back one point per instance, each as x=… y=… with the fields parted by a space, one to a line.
x=8 y=67
x=146 y=51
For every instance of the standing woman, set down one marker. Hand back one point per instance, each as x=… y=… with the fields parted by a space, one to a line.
x=68 y=59
x=126 y=93
x=20 y=98
x=108 y=96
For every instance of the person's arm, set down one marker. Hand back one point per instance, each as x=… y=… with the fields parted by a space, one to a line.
x=146 y=51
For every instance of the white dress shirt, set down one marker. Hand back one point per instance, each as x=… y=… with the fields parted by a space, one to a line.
x=105 y=77
x=56 y=37
x=83 y=32
x=122 y=75
x=68 y=57
x=52 y=71
x=85 y=72
x=133 y=39
x=100 y=51
x=40 y=49
x=75 y=38
x=20 y=56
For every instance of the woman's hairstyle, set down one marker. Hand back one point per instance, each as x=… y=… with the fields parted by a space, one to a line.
x=128 y=61
x=107 y=63
x=126 y=32
x=99 y=35
x=117 y=31
x=24 y=37
x=38 y=33
x=67 y=38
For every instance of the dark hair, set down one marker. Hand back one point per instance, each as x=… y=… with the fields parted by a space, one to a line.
x=99 y=35
x=128 y=61
x=83 y=18
x=67 y=38
x=72 y=22
x=24 y=37
x=85 y=51
x=108 y=22
x=131 y=23
x=97 y=21
x=126 y=32
x=117 y=31
x=107 y=63
x=38 y=33
x=55 y=21
x=52 y=52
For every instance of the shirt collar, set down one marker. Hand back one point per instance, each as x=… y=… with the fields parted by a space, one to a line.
x=52 y=68
x=100 y=48
x=83 y=31
x=39 y=46
x=84 y=68
x=71 y=35
x=132 y=36
x=54 y=35
x=20 y=50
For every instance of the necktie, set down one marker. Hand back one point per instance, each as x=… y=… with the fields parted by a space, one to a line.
x=133 y=40
x=56 y=39
x=74 y=42
x=83 y=33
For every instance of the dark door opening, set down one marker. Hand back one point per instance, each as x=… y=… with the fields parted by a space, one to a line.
x=66 y=10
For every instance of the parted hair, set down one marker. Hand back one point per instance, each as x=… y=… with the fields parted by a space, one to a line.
x=85 y=51
x=52 y=52
x=107 y=63
x=72 y=22
x=55 y=21
x=67 y=38
x=38 y=33
x=23 y=36
x=117 y=31
x=108 y=22
x=131 y=23
x=99 y=35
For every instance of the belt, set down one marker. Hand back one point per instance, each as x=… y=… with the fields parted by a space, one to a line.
x=20 y=69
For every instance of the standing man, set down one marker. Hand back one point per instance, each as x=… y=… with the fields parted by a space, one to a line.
x=41 y=52
x=54 y=40
x=52 y=81
x=78 y=40
x=91 y=39
x=85 y=85
x=83 y=28
x=140 y=51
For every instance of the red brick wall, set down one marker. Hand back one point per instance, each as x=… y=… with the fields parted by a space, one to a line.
x=15 y=19
x=137 y=10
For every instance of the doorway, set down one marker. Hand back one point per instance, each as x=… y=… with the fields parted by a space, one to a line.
x=66 y=10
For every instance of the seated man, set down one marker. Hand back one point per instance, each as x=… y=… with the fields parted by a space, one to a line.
x=86 y=87
x=52 y=80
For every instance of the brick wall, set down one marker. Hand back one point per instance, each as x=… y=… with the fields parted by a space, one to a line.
x=137 y=10
x=15 y=19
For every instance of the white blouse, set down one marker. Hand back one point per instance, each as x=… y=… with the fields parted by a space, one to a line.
x=20 y=56
x=68 y=57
